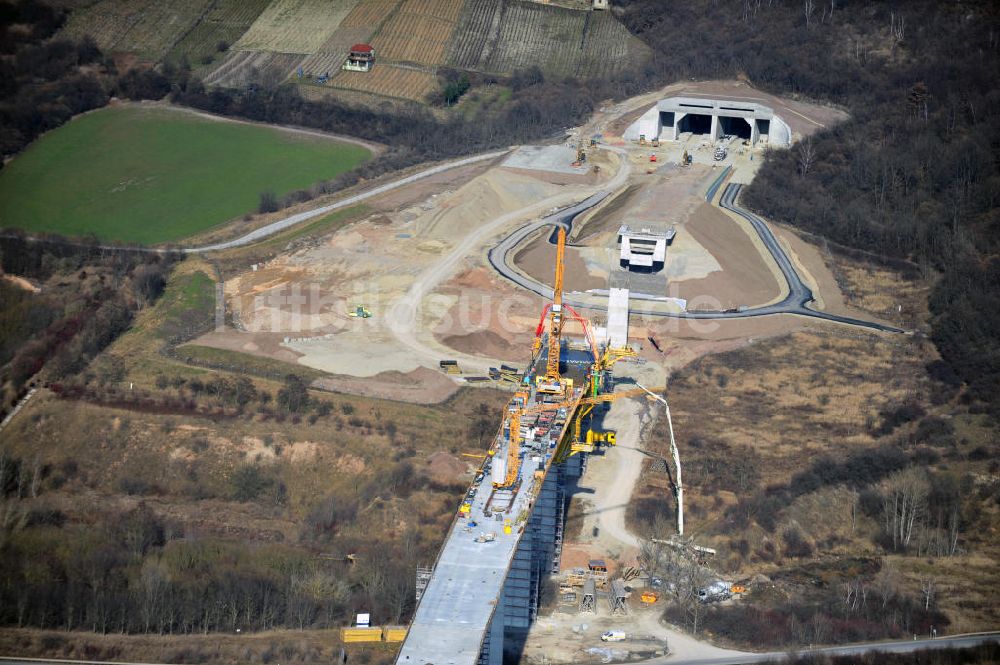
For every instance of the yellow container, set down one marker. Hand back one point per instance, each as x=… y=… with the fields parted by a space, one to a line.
x=349 y=635
x=394 y=633
x=506 y=526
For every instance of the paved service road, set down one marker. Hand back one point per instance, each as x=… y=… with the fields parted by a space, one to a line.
x=292 y=220
x=796 y=302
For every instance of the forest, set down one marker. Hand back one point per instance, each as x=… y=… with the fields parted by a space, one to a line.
x=91 y=297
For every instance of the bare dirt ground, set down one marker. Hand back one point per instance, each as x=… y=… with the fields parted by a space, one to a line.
x=569 y=636
x=743 y=277
x=584 y=268
x=435 y=234
x=264 y=344
x=420 y=386
x=301 y=299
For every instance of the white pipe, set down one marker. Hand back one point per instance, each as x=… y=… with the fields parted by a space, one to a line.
x=677 y=459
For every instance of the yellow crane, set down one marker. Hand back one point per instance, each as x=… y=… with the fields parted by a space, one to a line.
x=552 y=383
x=578 y=445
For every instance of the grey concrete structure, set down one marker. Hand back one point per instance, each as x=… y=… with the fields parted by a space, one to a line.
x=482 y=595
x=644 y=247
x=714 y=118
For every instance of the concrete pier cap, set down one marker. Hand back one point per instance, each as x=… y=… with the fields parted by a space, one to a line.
x=669 y=118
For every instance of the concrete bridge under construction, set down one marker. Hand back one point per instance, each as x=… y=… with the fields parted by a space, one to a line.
x=482 y=597
x=479 y=600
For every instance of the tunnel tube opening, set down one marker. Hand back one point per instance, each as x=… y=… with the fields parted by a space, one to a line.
x=763 y=127
x=696 y=124
x=737 y=127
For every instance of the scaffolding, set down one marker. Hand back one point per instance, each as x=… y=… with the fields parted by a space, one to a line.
x=589 y=601
x=423 y=577
x=560 y=519
x=616 y=597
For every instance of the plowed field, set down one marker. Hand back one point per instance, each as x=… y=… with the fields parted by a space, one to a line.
x=226 y=21
x=295 y=26
x=506 y=35
x=369 y=13
x=241 y=68
x=147 y=27
x=389 y=81
x=418 y=32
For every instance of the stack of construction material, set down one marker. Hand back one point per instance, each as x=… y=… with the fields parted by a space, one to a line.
x=358 y=634
x=509 y=374
x=450 y=367
x=576 y=577
x=394 y=633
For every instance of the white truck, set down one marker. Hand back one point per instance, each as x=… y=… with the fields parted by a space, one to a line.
x=613 y=636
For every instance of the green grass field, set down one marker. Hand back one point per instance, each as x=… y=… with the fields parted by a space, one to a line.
x=155 y=175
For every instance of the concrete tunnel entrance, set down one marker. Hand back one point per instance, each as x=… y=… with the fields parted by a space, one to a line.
x=696 y=124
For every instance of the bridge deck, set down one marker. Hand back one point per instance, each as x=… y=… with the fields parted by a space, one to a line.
x=455 y=610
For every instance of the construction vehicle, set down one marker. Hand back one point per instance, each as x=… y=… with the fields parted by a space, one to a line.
x=655 y=143
x=649 y=597
x=642 y=139
x=686 y=158
x=652 y=157
x=360 y=312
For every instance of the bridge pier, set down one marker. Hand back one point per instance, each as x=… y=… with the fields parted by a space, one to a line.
x=533 y=562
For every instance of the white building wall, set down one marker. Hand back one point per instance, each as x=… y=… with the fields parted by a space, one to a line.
x=648 y=125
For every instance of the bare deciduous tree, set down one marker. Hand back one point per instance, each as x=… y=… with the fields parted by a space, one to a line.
x=928 y=588
x=806 y=157
x=904 y=505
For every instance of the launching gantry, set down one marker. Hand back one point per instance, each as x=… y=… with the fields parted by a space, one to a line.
x=576 y=402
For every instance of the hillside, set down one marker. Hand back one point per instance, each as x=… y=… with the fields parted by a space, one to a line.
x=265 y=43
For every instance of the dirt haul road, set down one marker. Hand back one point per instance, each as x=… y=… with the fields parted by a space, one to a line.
x=404 y=318
x=282 y=224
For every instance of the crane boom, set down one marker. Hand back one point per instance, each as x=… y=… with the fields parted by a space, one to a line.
x=555 y=313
